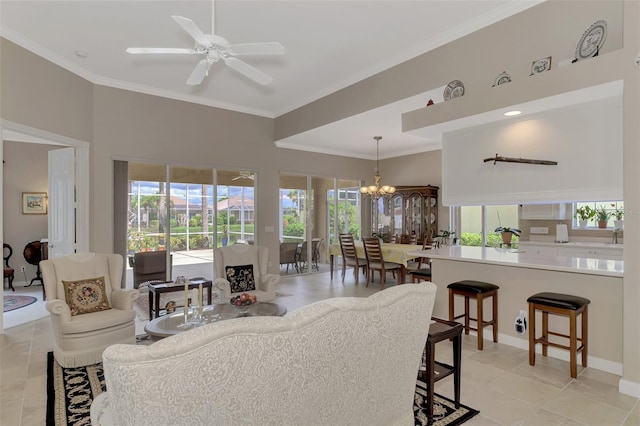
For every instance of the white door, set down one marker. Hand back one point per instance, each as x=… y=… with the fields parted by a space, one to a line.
x=62 y=232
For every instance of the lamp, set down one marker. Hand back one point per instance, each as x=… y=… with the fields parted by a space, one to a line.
x=376 y=191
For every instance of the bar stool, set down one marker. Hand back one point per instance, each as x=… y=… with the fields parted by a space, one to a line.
x=559 y=304
x=479 y=291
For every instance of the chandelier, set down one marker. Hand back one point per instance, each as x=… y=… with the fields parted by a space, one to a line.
x=377 y=191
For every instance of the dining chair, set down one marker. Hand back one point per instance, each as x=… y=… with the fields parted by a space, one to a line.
x=408 y=239
x=350 y=257
x=302 y=255
x=375 y=261
x=393 y=239
x=288 y=255
x=9 y=273
x=421 y=271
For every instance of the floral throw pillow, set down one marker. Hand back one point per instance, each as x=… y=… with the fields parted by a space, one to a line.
x=240 y=278
x=86 y=296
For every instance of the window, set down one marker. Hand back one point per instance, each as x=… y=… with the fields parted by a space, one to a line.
x=611 y=210
x=477 y=224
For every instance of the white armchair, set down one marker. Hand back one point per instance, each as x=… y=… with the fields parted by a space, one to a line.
x=237 y=255
x=80 y=339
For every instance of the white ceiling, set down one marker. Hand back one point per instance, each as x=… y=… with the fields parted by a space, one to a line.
x=329 y=45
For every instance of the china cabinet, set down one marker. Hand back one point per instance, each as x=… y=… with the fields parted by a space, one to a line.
x=411 y=210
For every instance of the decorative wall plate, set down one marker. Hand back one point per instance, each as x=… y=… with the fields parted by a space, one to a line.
x=502 y=78
x=592 y=40
x=454 y=89
x=541 y=65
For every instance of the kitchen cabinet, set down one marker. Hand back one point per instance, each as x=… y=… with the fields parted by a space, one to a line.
x=543 y=212
x=612 y=253
x=539 y=250
x=585 y=250
x=411 y=210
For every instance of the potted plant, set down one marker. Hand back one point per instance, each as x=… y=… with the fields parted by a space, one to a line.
x=617 y=215
x=602 y=216
x=584 y=214
x=447 y=237
x=507 y=233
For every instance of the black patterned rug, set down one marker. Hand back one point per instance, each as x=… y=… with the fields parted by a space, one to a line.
x=70 y=392
x=445 y=412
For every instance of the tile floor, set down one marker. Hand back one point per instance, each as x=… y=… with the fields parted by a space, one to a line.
x=498 y=381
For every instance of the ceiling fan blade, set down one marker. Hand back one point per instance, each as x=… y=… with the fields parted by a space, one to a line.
x=194 y=31
x=249 y=71
x=271 y=48
x=136 y=50
x=199 y=73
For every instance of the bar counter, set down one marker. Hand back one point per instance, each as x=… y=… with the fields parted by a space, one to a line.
x=520 y=258
x=520 y=275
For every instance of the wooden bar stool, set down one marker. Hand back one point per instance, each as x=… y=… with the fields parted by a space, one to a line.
x=477 y=290
x=559 y=304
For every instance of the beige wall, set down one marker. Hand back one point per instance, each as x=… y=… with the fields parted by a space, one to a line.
x=130 y=125
x=25 y=170
x=39 y=94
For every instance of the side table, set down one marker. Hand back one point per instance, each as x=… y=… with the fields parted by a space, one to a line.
x=156 y=289
x=432 y=370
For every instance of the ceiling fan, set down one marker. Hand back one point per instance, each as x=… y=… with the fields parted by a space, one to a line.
x=215 y=48
x=244 y=175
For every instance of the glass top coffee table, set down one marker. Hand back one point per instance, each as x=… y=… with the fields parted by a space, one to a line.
x=171 y=324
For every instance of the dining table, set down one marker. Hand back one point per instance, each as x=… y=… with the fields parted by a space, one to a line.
x=394 y=253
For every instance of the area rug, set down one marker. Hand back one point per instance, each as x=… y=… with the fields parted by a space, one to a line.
x=70 y=392
x=445 y=412
x=11 y=303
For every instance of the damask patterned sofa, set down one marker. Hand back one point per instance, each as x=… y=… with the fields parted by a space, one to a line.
x=336 y=362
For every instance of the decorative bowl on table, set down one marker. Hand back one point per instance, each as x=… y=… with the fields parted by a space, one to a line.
x=243 y=302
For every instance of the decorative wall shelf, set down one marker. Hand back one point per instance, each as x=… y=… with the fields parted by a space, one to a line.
x=554 y=89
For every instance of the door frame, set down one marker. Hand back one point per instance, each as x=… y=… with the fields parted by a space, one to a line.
x=17 y=132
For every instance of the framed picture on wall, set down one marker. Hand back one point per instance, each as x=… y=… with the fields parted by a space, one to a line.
x=34 y=203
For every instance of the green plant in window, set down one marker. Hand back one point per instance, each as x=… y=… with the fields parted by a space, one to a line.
x=584 y=213
x=617 y=213
x=504 y=229
x=602 y=213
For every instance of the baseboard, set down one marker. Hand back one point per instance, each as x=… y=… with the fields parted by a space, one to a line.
x=592 y=361
x=628 y=387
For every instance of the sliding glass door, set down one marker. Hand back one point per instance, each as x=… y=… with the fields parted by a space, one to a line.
x=309 y=222
x=187 y=211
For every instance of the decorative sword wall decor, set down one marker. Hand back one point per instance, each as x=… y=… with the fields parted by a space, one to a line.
x=500 y=158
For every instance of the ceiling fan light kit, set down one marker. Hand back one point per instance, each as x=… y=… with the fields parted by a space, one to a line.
x=216 y=48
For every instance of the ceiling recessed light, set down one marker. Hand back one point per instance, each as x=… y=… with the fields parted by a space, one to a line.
x=512 y=113
x=81 y=54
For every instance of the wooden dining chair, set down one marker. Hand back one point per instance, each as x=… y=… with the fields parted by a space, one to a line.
x=350 y=257
x=421 y=271
x=393 y=239
x=9 y=272
x=375 y=261
x=405 y=239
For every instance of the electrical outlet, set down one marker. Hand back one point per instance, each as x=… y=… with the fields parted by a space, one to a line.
x=23 y=269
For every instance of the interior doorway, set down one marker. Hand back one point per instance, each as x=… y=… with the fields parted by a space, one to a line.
x=24 y=140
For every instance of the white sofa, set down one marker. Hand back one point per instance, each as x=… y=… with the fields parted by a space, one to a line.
x=336 y=362
x=245 y=254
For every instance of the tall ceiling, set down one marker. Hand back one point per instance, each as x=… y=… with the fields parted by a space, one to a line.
x=328 y=46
